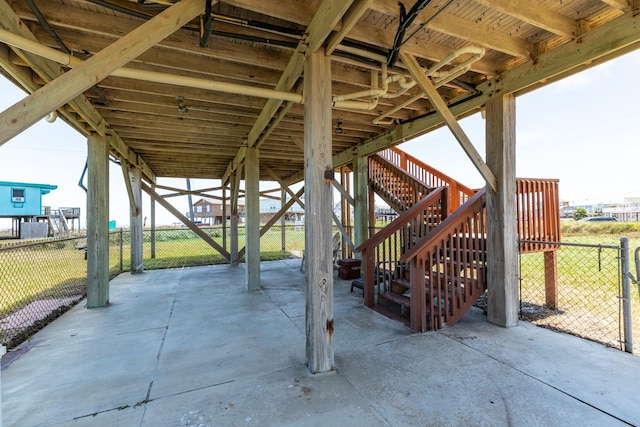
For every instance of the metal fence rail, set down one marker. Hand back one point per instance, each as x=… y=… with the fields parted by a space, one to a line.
x=589 y=281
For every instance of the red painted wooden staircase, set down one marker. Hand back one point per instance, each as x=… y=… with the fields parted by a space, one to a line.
x=428 y=267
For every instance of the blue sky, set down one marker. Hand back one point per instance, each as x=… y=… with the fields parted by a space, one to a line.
x=582 y=130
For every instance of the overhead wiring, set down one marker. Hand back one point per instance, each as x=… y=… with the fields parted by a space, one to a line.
x=405 y=21
x=49 y=29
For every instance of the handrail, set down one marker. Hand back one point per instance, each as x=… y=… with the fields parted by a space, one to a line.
x=401 y=220
x=445 y=227
x=428 y=175
x=399 y=170
x=403 y=189
x=399 y=235
x=538 y=214
x=435 y=172
x=448 y=267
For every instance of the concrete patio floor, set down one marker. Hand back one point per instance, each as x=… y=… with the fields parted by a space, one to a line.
x=191 y=347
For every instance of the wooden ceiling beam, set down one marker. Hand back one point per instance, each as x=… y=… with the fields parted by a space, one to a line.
x=593 y=47
x=323 y=22
x=299 y=13
x=622 y=5
x=536 y=15
x=446 y=23
x=72 y=83
x=349 y=20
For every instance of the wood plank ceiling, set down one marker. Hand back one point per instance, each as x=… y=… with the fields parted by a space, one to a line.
x=177 y=130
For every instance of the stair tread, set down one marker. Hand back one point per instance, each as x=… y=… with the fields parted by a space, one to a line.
x=397 y=298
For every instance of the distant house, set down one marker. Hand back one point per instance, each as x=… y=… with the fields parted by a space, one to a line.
x=209 y=211
x=20 y=199
x=629 y=211
x=269 y=207
x=22 y=202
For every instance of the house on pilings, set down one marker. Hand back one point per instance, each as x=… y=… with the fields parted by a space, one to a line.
x=311 y=92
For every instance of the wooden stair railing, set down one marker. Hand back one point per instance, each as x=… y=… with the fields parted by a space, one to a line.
x=448 y=267
x=394 y=185
x=427 y=175
x=538 y=210
x=382 y=252
x=436 y=247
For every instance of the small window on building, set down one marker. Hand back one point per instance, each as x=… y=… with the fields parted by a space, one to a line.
x=17 y=195
x=199 y=209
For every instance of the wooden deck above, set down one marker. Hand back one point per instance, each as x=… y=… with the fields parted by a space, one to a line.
x=190 y=105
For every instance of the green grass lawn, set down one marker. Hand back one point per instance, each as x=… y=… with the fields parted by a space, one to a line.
x=586 y=277
x=588 y=282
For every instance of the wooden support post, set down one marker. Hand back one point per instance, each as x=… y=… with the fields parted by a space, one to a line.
x=418 y=300
x=152 y=214
x=368 y=267
x=371 y=230
x=235 y=217
x=98 y=221
x=361 y=200
x=551 y=279
x=346 y=208
x=224 y=217
x=252 y=224
x=283 y=223
x=502 y=240
x=135 y=223
x=318 y=172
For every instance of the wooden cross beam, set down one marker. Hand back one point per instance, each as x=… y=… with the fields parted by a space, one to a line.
x=418 y=74
x=74 y=82
x=155 y=196
x=326 y=18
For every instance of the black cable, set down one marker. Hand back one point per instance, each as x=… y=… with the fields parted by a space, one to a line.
x=144 y=6
x=425 y=23
x=405 y=21
x=206 y=24
x=48 y=28
x=120 y=9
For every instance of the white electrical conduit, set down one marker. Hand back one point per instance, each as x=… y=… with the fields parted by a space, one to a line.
x=375 y=93
x=68 y=60
x=440 y=78
x=346 y=100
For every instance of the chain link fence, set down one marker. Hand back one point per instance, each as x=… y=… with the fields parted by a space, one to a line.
x=589 y=300
x=39 y=282
x=42 y=279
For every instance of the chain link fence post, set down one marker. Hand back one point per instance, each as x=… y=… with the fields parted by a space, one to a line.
x=3 y=350
x=121 y=266
x=626 y=294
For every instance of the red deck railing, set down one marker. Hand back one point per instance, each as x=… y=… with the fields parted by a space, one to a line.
x=429 y=176
x=448 y=266
x=538 y=214
x=381 y=253
x=399 y=189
